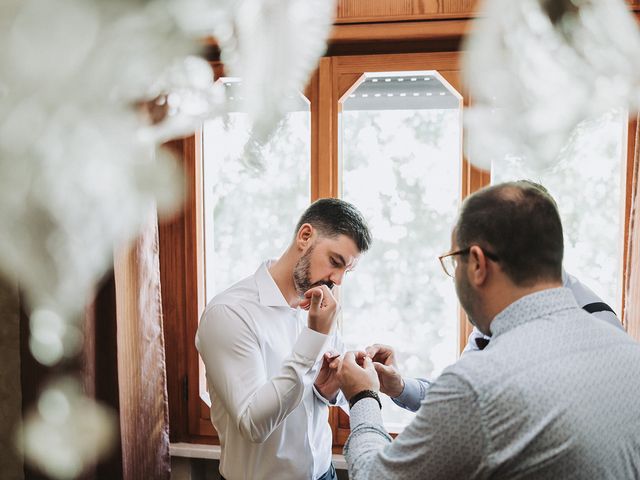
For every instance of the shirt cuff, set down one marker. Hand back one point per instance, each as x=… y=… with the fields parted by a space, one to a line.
x=366 y=410
x=310 y=343
x=324 y=400
x=412 y=394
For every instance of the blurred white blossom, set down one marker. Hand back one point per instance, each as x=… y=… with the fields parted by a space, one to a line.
x=537 y=68
x=273 y=45
x=88 y=90
x=66 y=431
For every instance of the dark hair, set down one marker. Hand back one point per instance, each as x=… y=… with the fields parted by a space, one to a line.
x=333 y=217
x=519 y=222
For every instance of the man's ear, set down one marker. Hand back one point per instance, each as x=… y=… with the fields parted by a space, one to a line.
x=477 y=266
x=305 y=236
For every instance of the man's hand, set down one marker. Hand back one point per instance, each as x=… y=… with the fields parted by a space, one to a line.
x=323 y=308
x=384 y=361
x=356 y=373
x=327 y=380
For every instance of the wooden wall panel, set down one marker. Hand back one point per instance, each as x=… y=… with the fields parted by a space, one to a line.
x=352 y=11
x=142 y=385
x=373 y=11
x=11 y=464
x=631 y=315
x=172 y=281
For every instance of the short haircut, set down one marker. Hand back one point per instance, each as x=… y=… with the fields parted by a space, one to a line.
x=520 y=223
x=333 y=217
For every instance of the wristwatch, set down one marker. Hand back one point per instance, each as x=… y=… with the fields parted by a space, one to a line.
x=365 y=394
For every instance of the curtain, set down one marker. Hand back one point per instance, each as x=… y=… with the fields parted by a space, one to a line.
x=632 y=283
x=144 y=414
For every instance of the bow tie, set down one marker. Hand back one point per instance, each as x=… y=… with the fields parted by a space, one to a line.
x=481 y=342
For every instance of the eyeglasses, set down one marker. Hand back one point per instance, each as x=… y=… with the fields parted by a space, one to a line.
x=449 y=262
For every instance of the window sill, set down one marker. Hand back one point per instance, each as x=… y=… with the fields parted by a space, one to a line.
x=212 y=452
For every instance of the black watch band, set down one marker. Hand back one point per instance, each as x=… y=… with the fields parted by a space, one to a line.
x=365 y=394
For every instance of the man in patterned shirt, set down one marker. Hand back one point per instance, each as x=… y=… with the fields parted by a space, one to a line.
x=553 y=395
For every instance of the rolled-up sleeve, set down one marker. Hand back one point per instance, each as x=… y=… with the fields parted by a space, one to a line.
x=235 y=369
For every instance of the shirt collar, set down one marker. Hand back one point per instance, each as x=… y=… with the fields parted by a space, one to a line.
x=269 y=293
x=532 y=307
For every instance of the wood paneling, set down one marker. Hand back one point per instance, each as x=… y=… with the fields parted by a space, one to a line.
x=376 y=11
x=11 y=462
x=100 y=364
x=144 y=413
x=395 y=10
x=629 y=185
x=172 y=277
x=632 y=283
x=326 y=162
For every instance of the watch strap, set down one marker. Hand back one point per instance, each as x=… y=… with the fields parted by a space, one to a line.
x=365 y=394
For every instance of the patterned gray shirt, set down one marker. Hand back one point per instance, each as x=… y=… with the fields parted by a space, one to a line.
x=556 y=394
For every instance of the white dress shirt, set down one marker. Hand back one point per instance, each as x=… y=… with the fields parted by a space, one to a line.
x=261 y=361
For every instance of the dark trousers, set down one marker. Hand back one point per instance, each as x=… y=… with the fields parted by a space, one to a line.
x=328 y=475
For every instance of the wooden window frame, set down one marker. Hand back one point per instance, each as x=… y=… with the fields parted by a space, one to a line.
x=182 y=245
x=181 y=240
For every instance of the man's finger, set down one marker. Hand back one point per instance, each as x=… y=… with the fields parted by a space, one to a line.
x=360 y=356
x=372 y=350
x=349 y=357
x=368 y=363
x=316 y=298
x=382 y=369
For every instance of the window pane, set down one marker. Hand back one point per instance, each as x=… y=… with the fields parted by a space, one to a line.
x=587 y=185
x=251 y=208
x=401 y=159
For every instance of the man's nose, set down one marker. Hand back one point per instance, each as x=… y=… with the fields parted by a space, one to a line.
x=337 y=276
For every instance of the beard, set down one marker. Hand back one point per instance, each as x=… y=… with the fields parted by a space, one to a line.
x=302 y=275
x=467 y=298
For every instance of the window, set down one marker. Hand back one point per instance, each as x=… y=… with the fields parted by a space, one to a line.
x=587 y=183
x=252 y=199
x=401 y=156
x=401 y=164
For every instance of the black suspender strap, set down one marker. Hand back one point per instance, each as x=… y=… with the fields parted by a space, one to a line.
x=598 y=307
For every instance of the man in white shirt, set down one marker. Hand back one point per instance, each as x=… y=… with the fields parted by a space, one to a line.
x=270 y=385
